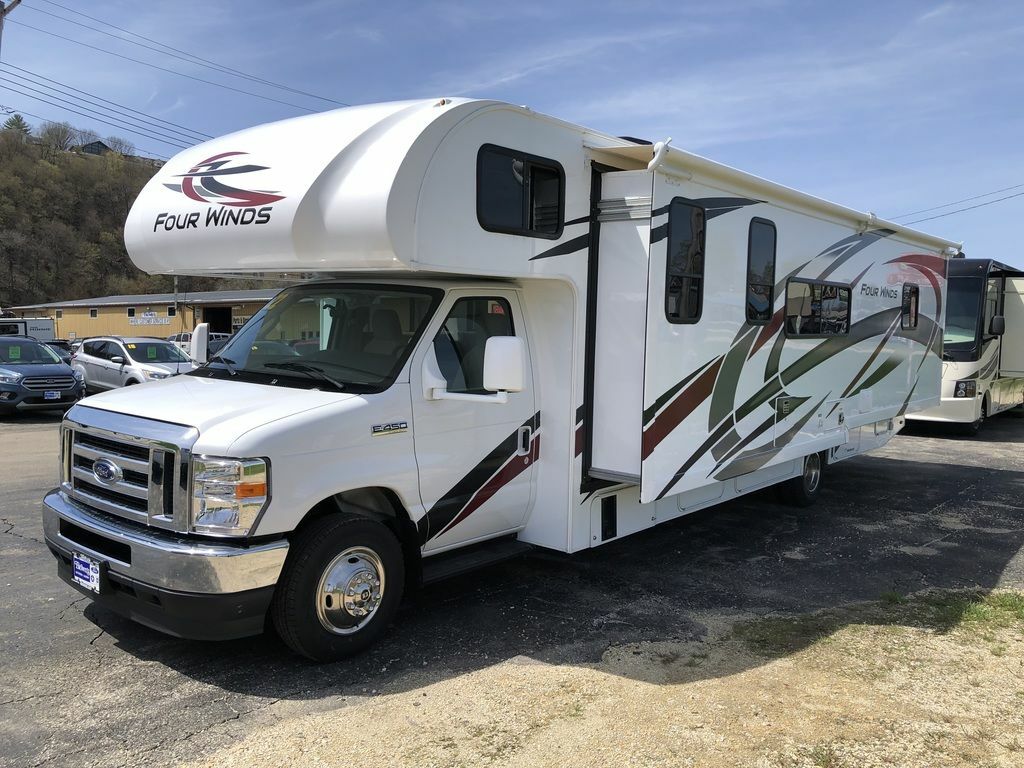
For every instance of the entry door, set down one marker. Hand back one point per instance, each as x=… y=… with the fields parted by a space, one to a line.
x=476 y=457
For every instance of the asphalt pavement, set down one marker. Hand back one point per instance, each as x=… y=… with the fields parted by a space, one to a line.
x=79 y=685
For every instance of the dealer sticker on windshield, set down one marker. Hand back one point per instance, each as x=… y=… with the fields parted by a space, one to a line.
x=85 y=571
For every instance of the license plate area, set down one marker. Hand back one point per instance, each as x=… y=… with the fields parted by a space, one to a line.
x=51 y=395
x=86 y=572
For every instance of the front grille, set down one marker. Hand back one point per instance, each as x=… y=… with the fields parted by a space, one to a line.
x=39 y=383
x=133 y=485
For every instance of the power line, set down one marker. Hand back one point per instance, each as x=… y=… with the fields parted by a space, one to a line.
x=34 y=78
x=162 y=69
x=191 y=58
x=968 y=208
x=955 y=202
x=154 y=133
x=8 y=110
x=101 y=119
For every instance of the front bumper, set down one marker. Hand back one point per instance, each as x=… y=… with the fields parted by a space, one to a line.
x=25 y=399
x=187 y=588
x=958 y=410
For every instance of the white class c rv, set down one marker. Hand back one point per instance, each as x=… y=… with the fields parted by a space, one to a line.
x=506 y=331
x=983 y=348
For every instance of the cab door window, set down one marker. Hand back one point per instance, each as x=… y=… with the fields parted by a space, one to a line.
x=459 y=345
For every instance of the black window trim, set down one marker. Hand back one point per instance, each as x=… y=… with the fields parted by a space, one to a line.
x=747 y=284
x=704 y=265
x=532 y=159
x=812 y=281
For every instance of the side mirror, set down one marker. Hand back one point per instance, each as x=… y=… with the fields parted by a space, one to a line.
x=117 y=360
x=997 y=326
x=504 y=358
x=199 y=346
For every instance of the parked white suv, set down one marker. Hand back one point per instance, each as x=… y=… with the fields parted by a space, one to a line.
x=109 y=362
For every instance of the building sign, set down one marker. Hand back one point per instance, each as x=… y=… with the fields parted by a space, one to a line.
x=149 y=318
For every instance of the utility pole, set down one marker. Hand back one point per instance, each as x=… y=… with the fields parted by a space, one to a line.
x=4 y=10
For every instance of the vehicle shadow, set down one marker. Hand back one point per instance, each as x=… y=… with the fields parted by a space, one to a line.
x=882 y=526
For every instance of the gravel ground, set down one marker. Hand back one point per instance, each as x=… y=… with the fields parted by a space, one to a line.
x=640 y=652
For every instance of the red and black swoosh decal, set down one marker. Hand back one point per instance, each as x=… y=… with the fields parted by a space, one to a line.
x=490 y=475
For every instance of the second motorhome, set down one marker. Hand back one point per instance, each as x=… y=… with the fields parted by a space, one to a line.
x=983 y=349
x=508 y=331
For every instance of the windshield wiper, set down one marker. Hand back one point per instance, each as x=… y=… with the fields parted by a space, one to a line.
x=228 y=363
x=312 y=370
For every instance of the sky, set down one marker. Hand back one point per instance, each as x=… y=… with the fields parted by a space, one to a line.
x=889 y=107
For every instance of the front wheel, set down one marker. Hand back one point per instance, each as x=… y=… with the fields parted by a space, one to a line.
x=340 y=588
x=973 y=428
x=803 y=490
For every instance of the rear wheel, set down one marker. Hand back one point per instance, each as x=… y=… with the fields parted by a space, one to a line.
x=340 y=588
x=803 y=490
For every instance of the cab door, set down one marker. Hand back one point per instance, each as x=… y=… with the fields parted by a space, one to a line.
x=476 y=455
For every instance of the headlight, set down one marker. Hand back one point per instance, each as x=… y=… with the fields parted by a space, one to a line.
x=152 y=375
x=79 y=376
x=228 y=495
x=965 y=388
x=10 y=378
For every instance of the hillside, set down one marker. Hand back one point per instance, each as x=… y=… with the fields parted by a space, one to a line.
x=61 y=225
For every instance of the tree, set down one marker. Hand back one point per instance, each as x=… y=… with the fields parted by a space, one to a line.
x=85 y=136
x=119 y=145
x=16 y=123
x=56 y=136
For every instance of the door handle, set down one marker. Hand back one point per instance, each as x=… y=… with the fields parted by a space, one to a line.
x=525 y=433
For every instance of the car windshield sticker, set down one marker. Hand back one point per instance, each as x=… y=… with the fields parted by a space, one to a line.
x=151 y=353
x=14 y=353
x=131 y=346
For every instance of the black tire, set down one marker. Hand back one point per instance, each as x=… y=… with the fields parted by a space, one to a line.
x=973 y=428
x=803 y=490
x=298 y=601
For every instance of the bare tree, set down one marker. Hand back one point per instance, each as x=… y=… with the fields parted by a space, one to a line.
x=57 y=136
x=85 y=136
x=119 y=145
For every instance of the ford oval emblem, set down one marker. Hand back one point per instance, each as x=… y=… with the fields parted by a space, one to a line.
x=106 y=471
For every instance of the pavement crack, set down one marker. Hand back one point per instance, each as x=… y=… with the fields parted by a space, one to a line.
x=72 y=604
x=102 y=632
x=11 y=525
x=29 y=698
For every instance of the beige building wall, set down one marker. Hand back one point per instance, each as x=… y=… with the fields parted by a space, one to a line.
x=158 y=320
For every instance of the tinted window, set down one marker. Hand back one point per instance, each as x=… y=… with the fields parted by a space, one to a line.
x=172 y=311
x=911 y=295
x=459 y=345
x=760 y=271
x=92 y=348
x=519 y=193
x=131 y=311
x=817 y=309
x=92 y=313
x=684 y=281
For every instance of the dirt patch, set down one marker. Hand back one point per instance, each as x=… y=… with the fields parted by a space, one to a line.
x=934 y=679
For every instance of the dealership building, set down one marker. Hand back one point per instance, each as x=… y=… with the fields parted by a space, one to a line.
x=150 y=314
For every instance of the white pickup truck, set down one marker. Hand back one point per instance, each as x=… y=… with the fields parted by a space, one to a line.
x=471 y=279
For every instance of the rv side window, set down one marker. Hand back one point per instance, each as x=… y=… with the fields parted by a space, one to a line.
x=760 y=271
x=911 y=295
x=684 y=279
x=519 y=194
x=459 y=345
x=817 y=309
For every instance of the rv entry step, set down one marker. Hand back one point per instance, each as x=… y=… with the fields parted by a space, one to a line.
x=461 y=561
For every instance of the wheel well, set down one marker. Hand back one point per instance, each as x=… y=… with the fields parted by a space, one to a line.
x=384 y=506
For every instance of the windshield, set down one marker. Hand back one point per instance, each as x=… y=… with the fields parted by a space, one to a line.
x=155 y=352
x=25 y=352
x=963 y=308
x=347 y=336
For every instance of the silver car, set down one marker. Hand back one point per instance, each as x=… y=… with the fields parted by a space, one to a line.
x=109 y=362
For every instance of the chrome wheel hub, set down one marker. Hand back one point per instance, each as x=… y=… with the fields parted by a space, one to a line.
x=350 y=590
x=812 y=472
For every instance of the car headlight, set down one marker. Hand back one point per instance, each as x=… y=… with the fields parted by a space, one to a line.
x=965 y=388
x=10 y=378
x=153 y=375
x=79 y=376
x=228 y=495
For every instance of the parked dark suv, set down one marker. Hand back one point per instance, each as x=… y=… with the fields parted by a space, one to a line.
x=33 y=376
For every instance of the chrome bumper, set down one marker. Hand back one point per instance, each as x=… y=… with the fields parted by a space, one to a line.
x=158 y=558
